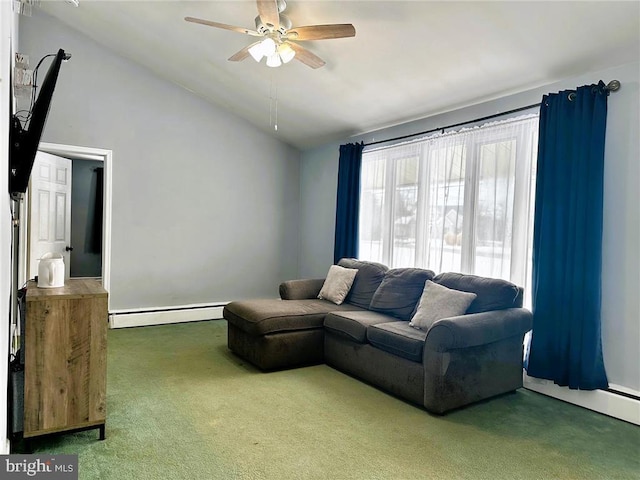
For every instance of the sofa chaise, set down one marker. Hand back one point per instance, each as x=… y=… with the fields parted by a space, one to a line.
x=439 y=341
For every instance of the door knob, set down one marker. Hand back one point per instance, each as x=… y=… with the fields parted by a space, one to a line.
x=68 y=248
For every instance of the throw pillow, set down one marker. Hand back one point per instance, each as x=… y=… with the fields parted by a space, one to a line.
x=370 y=275
x=493 y=293
x=337 y=284
x=438 y=302
x=399 y=292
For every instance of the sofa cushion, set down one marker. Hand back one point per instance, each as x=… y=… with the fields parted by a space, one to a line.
x=492 y=293
x=337 y=284
x=398 y=338
x=354 y=324
x=301 y=289
x=262 y=316
x=399 y=292
x=369 y=276
x=437 y=302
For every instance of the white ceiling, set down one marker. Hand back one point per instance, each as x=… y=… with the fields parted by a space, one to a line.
x=408 y=59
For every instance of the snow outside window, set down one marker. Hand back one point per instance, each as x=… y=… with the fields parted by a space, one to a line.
x=455 y=202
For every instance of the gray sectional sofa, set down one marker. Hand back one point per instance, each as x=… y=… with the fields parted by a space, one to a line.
x=450 y=363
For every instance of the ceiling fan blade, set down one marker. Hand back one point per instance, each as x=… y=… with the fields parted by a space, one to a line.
x=305 y=56
x=242 y=54
x=322 y=32
x=223 y=25
x=268 y=11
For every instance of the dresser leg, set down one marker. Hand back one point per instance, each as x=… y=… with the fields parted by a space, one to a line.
x=103 y=431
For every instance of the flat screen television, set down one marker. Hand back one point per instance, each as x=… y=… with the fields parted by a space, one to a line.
x=24 y=142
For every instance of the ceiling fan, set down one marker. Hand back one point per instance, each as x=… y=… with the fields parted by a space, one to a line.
x=277 y=34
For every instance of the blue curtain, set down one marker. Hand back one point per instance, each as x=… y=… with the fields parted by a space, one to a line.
x=348 y=202
x=566 y=343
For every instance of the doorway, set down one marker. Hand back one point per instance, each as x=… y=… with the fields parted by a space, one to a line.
x=86 y=219
x=96 y=165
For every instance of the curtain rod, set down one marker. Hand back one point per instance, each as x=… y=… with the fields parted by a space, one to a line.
x=612 y=86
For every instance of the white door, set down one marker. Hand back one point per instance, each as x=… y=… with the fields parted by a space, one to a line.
x=50 y=210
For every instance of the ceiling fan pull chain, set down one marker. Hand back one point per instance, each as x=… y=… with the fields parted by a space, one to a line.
x=271 y=100
x=276 y=121
x=273 y=105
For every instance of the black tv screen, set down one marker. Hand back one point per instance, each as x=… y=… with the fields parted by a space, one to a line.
x=24 y=142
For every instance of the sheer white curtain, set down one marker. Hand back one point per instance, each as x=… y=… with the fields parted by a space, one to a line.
x=459 y=201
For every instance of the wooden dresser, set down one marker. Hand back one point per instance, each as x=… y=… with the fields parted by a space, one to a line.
x=65 y=358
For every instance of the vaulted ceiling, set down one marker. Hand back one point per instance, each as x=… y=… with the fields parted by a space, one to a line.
x=408 y=59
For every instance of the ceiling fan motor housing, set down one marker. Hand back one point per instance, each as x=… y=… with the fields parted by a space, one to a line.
x=285 y=24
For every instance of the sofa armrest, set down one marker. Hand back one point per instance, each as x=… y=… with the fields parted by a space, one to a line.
x=301 y=289
x=476 y=329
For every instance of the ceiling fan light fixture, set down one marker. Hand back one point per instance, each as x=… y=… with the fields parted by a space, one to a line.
x=265 y=48
x=256 y=52
x=274 y=60
x=268 y=47
x=286 y=53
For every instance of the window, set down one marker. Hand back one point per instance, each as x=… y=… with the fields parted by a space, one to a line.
x=460 y=201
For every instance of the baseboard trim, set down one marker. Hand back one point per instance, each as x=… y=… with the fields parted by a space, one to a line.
x=164 y=315
x=606 y=402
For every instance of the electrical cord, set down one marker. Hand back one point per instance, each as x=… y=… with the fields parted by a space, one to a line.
x=34 y=88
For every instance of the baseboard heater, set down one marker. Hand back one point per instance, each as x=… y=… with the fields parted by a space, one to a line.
x=633 y=395
x=617 y=401
x=140 y=317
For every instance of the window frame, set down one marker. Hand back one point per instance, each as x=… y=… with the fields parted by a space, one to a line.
x=521 y=179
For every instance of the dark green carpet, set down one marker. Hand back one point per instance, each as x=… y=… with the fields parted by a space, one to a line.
x=180 y=406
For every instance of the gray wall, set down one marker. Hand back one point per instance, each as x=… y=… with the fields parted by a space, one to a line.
x=318 y=187
x=205 y=206
x=621 y=239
